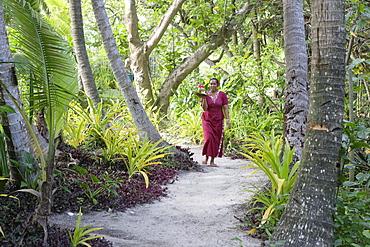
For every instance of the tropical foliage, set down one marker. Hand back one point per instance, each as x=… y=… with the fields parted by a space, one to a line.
x=123 y=166
x=81 y=234
x=265 y=153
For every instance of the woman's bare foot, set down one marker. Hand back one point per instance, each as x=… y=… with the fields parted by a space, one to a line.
x=204 y=162
x=212 y=162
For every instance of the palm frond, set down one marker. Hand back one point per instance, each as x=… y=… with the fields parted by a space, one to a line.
x=38 y=5
x=59 y=16
x=50 y=61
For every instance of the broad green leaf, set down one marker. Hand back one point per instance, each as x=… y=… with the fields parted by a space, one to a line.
x=94 y=178
x=366 y=233
x=349 y=183
x=6 y=109
x=81 y=170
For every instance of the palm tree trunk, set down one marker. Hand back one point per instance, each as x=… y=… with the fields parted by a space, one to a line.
x=296 y=89
x=84 y=67
x=141 y=120
x=308 y=217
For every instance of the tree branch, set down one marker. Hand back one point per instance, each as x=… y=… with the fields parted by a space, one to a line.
x=163 y=24
x=131 y=22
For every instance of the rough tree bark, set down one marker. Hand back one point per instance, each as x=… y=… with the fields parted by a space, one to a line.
x=13 y=124
x=84 y=68
x=296 y=88
x=308 y=217
x=140 y=50
x=141 y=120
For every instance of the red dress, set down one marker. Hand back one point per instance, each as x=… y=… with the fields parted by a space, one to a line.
x=213 y=125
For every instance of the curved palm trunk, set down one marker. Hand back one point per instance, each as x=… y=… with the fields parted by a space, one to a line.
x=13 y=124
x=296 y=89
x=141 y=120
x=308 y=217
x=84 y=67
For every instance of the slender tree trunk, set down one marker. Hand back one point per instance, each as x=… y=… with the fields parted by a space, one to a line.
x=13 y=124
x=84 y=67
x=351 y=110
x=43 y=209
x=308 y=217
x=296 y=89
x=257 y=56
x=141 y=120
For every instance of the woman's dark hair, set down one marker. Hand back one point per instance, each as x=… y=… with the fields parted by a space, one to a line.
x=218 y=83
x=213 y=79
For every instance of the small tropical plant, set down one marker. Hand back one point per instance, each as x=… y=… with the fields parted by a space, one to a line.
x=138 y=155
x=30 y=171
x=76 y=132
x=114 y=139
x=247 y=120
x=265 y=153
x=157 y=118
x=82 y=234
x=93 y=186
x=90 y=122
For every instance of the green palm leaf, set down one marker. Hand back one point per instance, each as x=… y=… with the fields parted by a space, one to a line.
x=50 y=60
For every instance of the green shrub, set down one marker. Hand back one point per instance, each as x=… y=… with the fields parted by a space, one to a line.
x=265 y=153
x=139 y=154
x=189 y=126
x=352 y=218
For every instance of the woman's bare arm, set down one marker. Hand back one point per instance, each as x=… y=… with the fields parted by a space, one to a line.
x=226 y=115
x=204 y=103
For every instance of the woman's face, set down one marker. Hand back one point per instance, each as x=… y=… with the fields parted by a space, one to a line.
x=213 y=85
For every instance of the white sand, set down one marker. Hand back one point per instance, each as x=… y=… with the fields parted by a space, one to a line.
x=198 y=211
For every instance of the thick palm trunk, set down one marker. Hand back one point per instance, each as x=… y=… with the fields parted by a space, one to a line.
x=308 y=217
x=133 y=102
x=296 y=89
x=84 y=67
x=13 y=124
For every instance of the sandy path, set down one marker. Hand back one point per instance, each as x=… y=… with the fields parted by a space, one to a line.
x=198 y=211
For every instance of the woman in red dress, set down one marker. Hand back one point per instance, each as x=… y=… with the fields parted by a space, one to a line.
x=215 y=106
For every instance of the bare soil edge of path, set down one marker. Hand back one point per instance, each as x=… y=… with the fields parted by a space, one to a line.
x=198 y=211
